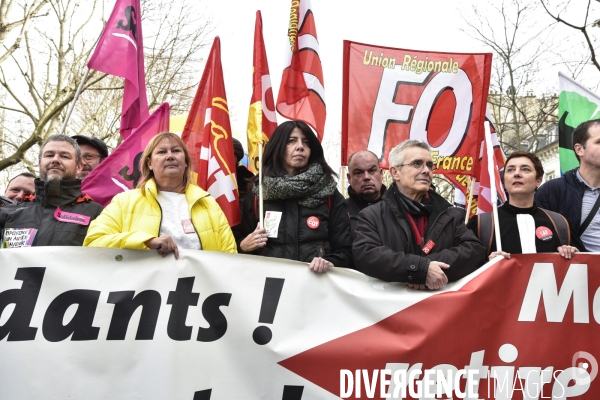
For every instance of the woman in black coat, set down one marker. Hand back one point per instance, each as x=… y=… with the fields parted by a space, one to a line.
x=305 y=216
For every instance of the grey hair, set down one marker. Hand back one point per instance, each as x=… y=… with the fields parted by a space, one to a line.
x=396 y=156
x=62 y=138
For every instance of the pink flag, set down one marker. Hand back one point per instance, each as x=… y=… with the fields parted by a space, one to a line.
x=120 y=171
x=120 y=52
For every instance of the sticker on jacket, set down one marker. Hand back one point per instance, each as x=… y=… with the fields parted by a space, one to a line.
x=71 y=218
x=18 y=237
x=272 y=220
x=187 y=225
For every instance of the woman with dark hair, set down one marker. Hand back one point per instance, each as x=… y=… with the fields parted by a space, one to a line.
x=524 y=227
x=166 y=212
x=305 y=215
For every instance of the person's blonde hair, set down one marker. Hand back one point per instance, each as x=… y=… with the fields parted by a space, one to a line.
x=148 y=174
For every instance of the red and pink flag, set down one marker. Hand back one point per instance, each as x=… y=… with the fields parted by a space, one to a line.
x=207 y=134
x=262 y=119
x=302 y=91
x=120 y=52
x=121 y=170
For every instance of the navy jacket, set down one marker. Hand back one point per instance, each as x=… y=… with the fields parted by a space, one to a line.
x=563 y=195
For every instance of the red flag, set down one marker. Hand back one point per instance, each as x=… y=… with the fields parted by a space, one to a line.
x=120 y=171
x=302 y=92
x=262 y=119
x=207 y=134
x=120 y=52
x=484 y=203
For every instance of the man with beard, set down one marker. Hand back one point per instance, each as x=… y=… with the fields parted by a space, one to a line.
x=60 y=214
x=365 y=178
x=93 y=151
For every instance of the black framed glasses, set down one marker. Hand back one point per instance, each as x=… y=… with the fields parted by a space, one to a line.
x=418 y=164
x=90 y=157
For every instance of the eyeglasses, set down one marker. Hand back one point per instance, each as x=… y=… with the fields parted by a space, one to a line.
x=90 y=157
x=418 y=164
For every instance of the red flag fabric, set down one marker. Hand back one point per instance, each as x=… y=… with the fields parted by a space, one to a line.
x=207 y=134
x=302 y=91
x=484 y=203
x=262 y=119
x=120 y=171
x=120 y=52
x=391 y=95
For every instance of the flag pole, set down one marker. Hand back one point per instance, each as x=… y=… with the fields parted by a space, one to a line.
x=343 y=176
x=77 y=93
x=470 y=201
x=494 y=193
x=260 y=187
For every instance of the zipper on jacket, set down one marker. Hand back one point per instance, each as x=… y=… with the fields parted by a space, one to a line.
x=161 y=213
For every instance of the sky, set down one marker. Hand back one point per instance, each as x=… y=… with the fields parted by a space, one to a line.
x=433 y=25
x=423 y=25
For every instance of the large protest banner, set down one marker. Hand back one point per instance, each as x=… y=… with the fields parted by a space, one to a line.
x=220 y=326
x=391 y=95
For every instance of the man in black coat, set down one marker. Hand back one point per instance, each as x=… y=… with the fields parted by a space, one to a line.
x=60 y=214
x=365 y=177
x=413 y=235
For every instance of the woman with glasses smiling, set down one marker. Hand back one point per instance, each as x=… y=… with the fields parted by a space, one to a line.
x=413 y=235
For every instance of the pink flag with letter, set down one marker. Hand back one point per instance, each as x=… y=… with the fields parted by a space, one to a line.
x=120 y=52
x=120 y=171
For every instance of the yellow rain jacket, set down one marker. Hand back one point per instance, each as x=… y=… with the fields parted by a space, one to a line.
x=131 y=219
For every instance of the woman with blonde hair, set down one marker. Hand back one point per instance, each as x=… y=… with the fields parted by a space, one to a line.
x=166 y=211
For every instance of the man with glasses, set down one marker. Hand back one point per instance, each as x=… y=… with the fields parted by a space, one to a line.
x=413 y=235
x=93 y=151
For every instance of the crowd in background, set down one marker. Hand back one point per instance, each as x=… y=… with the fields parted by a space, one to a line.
x=403 y=233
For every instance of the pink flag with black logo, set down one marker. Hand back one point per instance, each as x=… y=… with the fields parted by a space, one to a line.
x=121 y=170
x=120 y=52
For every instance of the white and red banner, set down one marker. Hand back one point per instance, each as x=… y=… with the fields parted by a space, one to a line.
x=207 y=134
x=120 y=52
x=130 y=324
x=120 y=171
x=302 y=90
x=391 y=95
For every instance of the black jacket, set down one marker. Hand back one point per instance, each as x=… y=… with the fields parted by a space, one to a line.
x=385 y=247
x=509 y=231
x=563 y=195
x=39 y=214
x=295 y=239
x=355 y=205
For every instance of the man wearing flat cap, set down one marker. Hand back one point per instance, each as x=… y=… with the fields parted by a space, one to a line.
x=93 y=151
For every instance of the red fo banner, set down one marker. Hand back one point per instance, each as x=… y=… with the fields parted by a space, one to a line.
x=391 y=95
x=207 y=134
x=120 y=52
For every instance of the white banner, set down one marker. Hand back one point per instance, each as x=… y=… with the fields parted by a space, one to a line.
x=68 y=328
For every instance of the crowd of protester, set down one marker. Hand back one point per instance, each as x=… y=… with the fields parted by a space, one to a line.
x=405 y=233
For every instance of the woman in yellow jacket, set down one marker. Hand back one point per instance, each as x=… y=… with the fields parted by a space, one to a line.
x=166 y=212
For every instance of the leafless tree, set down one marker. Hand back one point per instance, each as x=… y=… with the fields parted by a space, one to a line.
x=588 y=27
x=521 y=45
x=39 y=79
x=14 y=20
